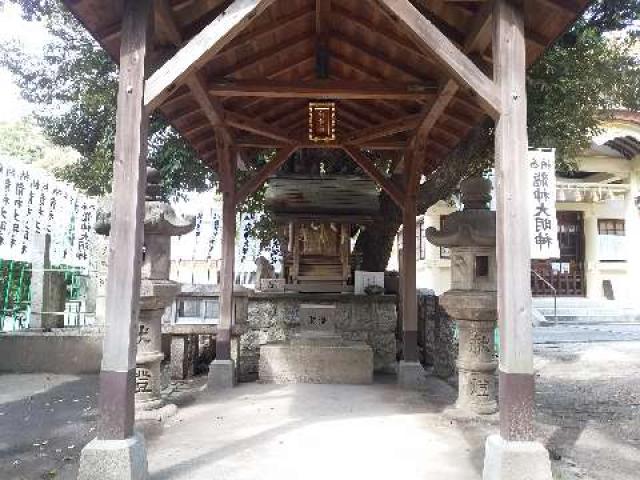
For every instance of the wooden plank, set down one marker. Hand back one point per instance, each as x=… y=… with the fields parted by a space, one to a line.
x=201 y=48
x=247 y=124
x=435 y=42
x=117 y=378
x=322 y=89
x=370 y=169
x=265 y=172
x=392 y=127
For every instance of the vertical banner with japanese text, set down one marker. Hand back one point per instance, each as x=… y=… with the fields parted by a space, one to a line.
x=32 y=202
x=542 y=204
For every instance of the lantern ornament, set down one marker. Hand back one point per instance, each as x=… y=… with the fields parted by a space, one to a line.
x=322 y=121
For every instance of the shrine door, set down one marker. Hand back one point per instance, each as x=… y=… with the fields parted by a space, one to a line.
x=566 y=274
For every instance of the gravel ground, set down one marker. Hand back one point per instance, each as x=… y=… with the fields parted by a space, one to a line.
x=588 y=408
x=588 y=415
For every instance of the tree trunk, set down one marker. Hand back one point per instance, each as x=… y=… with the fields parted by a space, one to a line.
x=374 y=244
x=472 y=156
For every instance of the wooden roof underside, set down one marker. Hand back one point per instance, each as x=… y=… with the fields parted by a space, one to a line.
x=365 y=50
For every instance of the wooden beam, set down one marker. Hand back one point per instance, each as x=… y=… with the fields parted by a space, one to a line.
x=212 y=109
x=242 y=122
x=227 y=277
x=512 y=226
x=390 y=128
x=476 y=41
x=321 y=89
x=117 y=376
x=264 y=173
x=436 y=43
x=323 y=29
x=266 y=144
x=408 y=282
x=201 y=48
x=370 y=169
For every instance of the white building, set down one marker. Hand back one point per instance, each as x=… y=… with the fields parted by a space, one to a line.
x=599 y=224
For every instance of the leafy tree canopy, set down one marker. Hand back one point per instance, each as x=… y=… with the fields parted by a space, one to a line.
x=74 y=84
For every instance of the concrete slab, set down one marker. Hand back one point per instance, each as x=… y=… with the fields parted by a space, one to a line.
x=314 y=431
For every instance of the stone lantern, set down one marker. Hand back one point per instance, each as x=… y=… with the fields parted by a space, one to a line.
x=156 y=293
x=472 y=302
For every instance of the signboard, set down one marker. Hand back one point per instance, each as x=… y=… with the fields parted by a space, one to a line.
x=272 y=284
x=34 y=203
x=542 y=204
x=364 y=279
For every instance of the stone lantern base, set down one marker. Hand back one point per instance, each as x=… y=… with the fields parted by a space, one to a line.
x=475 y=314
x=506 y=460
x=114 y=460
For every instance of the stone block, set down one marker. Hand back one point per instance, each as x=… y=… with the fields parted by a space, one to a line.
x=504 y=460
x=114 y=460
x=346 y=363
x=411 y=374
x=222 y=375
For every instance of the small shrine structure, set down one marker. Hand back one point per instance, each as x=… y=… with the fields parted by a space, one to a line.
x=317 y=214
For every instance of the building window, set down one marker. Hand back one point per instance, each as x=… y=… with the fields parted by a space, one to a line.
x=612 y=240
x=444 y=251
x=611 y=227
x=421 y=241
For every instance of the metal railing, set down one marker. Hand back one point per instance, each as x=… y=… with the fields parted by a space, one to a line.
x=555 y=294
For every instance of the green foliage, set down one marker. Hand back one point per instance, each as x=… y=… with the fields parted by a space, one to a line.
x=573 y=86
x=75 y=86
x=24 y=141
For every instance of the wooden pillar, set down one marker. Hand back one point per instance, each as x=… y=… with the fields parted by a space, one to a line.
x=227 y=276
x=408 y=272
x=512 y=229
x=118 y=373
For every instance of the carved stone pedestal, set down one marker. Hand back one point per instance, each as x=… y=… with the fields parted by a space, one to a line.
x=475 y=314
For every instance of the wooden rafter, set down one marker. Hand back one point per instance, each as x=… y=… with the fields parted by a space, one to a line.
x=323 y=29
x=201 y=48
x=390 y=128
x=242 y=122
x=210 y=107
x=427 y=35
x=477 y=40
x=370 y=169
x=264 y=173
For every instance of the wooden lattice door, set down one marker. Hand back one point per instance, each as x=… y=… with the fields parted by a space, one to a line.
x=566 y=274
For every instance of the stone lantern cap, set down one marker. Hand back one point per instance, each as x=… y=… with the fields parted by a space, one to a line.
x=475 y=226
x=159 y=216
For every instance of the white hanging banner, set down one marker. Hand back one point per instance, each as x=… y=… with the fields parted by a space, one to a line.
x=542 y=204
x=33 y=202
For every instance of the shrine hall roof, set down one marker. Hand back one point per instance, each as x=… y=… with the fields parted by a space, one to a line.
x=261 y=78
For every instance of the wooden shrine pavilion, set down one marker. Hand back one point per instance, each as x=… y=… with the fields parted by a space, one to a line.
x=411 y=77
